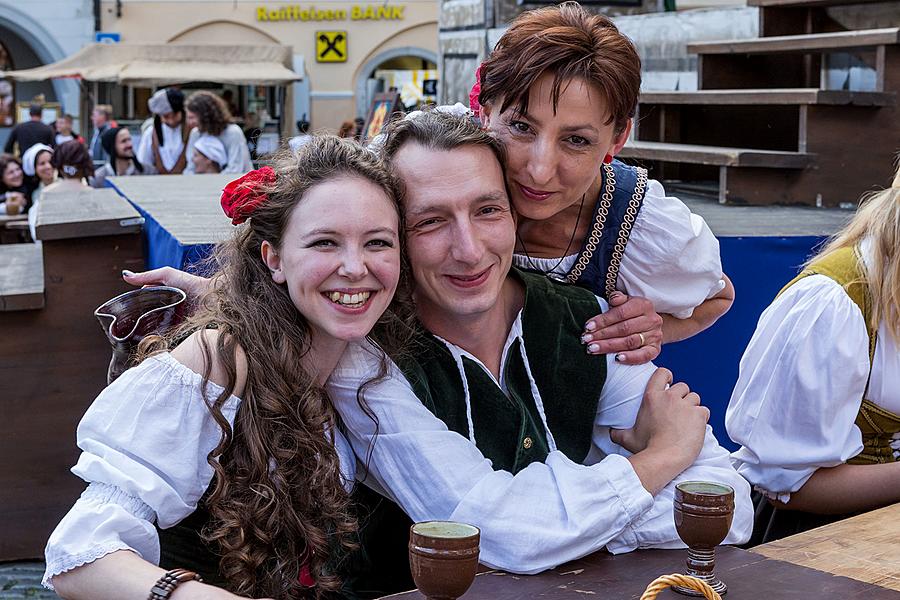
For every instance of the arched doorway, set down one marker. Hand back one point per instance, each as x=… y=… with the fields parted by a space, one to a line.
x=29 y=44
x=407 y=67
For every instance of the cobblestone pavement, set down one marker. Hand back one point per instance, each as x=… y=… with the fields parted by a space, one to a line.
x=22 y=581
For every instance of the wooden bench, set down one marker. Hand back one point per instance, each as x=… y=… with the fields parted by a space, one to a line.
x=811 y=3
x=816 y=42
x=715 y=155
x=21 y=277
x=805 y=114
x=57 y=356
x=771 y=97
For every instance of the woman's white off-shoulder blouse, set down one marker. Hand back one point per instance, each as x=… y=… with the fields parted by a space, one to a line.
x=145 y=442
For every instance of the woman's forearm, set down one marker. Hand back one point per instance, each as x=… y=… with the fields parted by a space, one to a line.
x=124 y=575
x=848 y=488
x=707 y=313
x=121 y=575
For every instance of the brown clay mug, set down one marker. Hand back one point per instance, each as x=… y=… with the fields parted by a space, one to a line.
x=443 y=558
x=130 y=317
x=703 y=514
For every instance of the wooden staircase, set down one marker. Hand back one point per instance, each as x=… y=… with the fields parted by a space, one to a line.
x=769 y=124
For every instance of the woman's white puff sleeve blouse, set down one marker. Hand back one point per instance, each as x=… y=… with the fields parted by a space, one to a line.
x=145 y=440
x=672 y=257
x=801 y=382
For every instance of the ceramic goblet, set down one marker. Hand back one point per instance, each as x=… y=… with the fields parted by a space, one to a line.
x=443 y=557
x=703 y=513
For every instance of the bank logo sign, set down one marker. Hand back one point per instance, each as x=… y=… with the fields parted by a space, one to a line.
x=331 y=46
x=357 y=12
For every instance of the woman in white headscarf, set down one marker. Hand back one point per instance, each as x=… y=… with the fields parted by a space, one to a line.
x=209 y=155
x=37 y=163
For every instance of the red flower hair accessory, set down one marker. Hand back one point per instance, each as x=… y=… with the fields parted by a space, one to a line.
x=241 y=197
x=474 y=106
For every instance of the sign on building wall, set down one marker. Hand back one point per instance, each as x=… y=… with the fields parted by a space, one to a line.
x=357 y=12
x=331 y=46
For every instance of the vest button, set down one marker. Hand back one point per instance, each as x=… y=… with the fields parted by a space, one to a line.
x=527 y=443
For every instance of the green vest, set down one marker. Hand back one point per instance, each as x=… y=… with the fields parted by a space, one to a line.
x=877 y=424
x=508 y=428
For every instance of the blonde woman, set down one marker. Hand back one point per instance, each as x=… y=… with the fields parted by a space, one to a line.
x=816 y=407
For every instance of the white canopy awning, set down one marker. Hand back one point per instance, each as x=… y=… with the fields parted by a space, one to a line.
x=148 y=65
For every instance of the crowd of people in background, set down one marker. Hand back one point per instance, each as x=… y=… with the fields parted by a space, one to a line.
x=191 y=135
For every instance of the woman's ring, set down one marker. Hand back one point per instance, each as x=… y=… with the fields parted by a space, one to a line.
x=643 y=341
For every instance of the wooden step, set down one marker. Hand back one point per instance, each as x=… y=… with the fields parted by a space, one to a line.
x=815 y=42
x=786 y=96
x=715 y=155
x=810 y=3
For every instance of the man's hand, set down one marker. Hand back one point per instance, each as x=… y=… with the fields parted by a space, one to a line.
x=668 y=433
x=192 y=285
x=630 y=329
x=15 y=203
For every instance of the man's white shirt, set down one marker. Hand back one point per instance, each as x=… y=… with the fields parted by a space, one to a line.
x=550 y=512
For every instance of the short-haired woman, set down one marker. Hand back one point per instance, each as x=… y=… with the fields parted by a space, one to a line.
x=208 y=114
x=560 y=91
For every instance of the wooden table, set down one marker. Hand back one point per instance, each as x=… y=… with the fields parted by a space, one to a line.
x=602 y=576
x=21 y=277
x=183 y=213
x=865 y=548
x=13 y=228
x=53 y=354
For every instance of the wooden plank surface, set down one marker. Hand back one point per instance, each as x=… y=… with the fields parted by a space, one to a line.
x=55 y=360
x=788 y=96
x=21 y=277
x=715 y=155
x=865 y=548
x=840 y=40
x=87 y=212
x=809 y=3
x=186 y=206
x=603 y=576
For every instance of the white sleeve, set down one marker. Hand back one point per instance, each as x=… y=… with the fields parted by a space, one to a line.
x=238 y=152
x=801 y=381
x=189 y=151
x=672 y=257
x=144 y=445
x=144 y=152
x=434 y=473
x=619 y=403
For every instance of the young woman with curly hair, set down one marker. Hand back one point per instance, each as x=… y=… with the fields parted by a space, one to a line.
x=207 y=113
x=219 y=453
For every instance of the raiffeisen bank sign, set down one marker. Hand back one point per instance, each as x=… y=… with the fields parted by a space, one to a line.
x=357 y=12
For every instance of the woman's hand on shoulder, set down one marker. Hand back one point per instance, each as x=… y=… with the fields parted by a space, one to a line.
x=190 y=353
x=193 y=285
x=631 y=329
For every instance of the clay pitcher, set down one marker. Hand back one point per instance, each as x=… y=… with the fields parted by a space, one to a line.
x=129 y=318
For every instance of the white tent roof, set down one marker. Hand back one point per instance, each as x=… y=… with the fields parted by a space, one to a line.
x=148 y=65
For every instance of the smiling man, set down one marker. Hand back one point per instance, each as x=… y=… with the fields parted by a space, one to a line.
x=498 y=417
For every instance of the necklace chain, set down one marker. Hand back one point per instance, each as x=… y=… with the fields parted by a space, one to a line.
x=552 y=271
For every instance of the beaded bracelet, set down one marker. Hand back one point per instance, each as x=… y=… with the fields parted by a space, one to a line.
x=171 y=580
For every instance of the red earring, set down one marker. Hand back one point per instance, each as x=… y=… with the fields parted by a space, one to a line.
x=607 y=159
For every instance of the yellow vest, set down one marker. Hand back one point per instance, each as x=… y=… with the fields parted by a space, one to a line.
x=877 y=424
